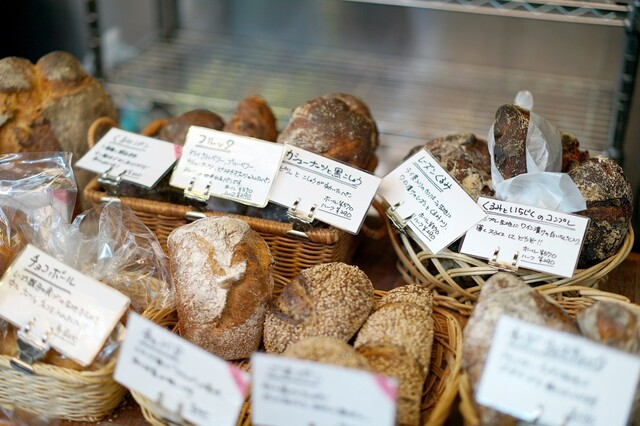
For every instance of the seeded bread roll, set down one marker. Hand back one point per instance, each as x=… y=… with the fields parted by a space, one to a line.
x=330 y=299
x=221 y=270
x=254 y=118
x=510 y=134
x=609 y=199
x=328 y=126
x=328 y=350
x=466 y=157
x=505 y=294
x=397 y=339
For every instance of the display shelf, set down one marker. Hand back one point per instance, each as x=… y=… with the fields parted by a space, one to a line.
x=411 y=99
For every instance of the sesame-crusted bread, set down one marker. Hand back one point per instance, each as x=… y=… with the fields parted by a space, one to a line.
x=328 y=350
x=221 y=269
x=330 y=299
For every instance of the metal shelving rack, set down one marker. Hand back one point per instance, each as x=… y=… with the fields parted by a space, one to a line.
x=187 y=69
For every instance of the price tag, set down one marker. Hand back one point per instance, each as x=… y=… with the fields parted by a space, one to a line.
x=287 y=391
x=229 y=166
x=185 y=381
x=132 y=157
x=340 y=193
x=551 y=378
x=543 y=240
x=433 y=205
x=77 y=312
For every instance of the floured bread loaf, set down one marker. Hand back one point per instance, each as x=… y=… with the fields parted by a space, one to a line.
x=221 y=270
x=397 y=339
x=330 y=299
x=505 y=294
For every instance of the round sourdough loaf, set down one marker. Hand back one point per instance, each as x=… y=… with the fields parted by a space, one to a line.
x=221 y=270
x=253 y=117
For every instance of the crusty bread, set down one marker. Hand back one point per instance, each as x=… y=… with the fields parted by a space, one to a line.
x=510 y=135
x=609 y=199
x=328 y=350
x=221 y=270
x=330 y=299
x=505 y=294
x=397 y=339
x=176 y=128
x=357 y=105
x=253 y=117
x=571 y=152
x=328 y=126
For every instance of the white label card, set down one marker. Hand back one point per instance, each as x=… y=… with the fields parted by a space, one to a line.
x=77 y=312
x=436 y=209
x=545 y=240
x=234 y=167
x=138 y=159
x=184 y=380
x=340 y=193
x=286 y=391
x=551 y=378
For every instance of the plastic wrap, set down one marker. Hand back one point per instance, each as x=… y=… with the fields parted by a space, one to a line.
x=22 y=417
x=543 y=185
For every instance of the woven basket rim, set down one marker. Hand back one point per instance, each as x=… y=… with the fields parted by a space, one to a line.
x=564 y=296
x=437 y=416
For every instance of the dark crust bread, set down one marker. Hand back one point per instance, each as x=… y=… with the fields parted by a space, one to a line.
x=510 y=135
x=571 y=152
x=357 y=105
x=254 y=118
x=176 y=128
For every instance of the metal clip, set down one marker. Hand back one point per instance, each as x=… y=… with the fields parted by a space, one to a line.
x=504 y=266
x=110 y=181
x=172 y=417
x=195 y=194
x=535 y=417
x=398 y=221
x=31 y=348
x=301 y=222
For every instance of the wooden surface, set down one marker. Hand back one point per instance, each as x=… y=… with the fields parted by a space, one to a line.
x=377 y=259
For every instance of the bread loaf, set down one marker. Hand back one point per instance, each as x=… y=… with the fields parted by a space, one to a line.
x=176 y=128
x=254 y=118
x=328 y=126
x=50 y=106
x=330 y=299
x=466 y=157
x=505 y=294
x=609 y=199
x=510 y=134
x=328 y=350
x=397 y=339
x=358 y=106
x=221 y=270
x=571 y=152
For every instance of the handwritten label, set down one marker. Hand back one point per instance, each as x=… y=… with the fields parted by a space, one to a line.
x=185 y=381
x=234 y=167
x=436 y=208
x=342 y=194
x=140 y=159
x=557 y=378
x=546 y=240
x=287 y=391
x=77 y=311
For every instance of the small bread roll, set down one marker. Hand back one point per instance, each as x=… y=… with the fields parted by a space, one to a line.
x=221 y=270
x=397 y=339
x=330 y=299
x=328 y=350
x=254 y=118
x=176 y=128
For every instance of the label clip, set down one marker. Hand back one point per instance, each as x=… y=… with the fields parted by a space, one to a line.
x=398 y=221
x=301 y=222
x=504 y=266
x=31 y=348
x=191 y=192
x=111 y=181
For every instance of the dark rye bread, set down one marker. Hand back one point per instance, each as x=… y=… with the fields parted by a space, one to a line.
x=571 y=152
x=510 y=135
x=330 y=299
x=505 y=294
x=328 y=126
x=254 y=118
x=608 y=195
x=466 y=157
x=221 y=269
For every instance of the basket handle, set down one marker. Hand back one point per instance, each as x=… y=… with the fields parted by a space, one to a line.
x=153 y=127
x=97 y=129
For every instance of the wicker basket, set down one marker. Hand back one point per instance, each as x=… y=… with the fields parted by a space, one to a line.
x=460 y=277
x=441 y=387
x=64 y=393
x=291 y=254
x=573 y=299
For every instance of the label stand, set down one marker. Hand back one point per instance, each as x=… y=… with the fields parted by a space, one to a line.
x=504 y=266
x=195 y=194
x=398 y=221
x=111 y=181
x=31 y=348
x=301 y=222
x=176 y=418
